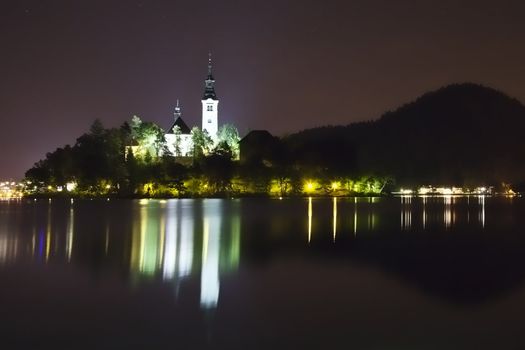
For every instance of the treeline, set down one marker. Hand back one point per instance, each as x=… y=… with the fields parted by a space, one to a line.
x=134 y=161
x=461 y=135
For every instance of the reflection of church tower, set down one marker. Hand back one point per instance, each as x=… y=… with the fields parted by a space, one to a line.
x=210 y=104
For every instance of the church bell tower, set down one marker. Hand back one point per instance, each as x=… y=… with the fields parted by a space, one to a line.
x=210 y=104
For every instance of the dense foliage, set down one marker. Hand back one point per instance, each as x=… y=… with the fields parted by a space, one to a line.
x=133 y=160
x=461 y=135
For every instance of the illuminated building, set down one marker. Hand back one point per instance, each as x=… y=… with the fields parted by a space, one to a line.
x=210 y=120
x=210 y=105
x=184 y=135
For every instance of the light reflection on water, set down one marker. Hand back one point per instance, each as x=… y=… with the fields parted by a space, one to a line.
x=165 y=236
x=430 y=212
x=233 y=272
x=177 y=239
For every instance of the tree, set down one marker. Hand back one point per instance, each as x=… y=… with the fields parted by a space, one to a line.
x=177 y=141
x=218 y=169
x=202 y=142
x=150 y=137
x=135 y=124
x=229 y=135
x=97 y=129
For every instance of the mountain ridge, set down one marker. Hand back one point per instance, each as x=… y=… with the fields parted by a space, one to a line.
x=459 y=134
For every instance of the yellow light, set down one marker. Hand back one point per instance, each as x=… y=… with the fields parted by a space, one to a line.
x=447 y=191
x=309 y=186
x=335 y=185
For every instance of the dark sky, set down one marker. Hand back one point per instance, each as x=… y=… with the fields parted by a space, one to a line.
x=279 y=65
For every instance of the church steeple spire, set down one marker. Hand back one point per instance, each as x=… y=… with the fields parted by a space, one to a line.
x=210 y=105
x=209 y=64
x=209 y=89
x=177 y=112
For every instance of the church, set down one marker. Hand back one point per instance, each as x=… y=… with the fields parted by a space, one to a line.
x=210 y=120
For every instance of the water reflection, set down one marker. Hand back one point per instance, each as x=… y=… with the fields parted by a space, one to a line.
x=165 y=240
x=198 y=241
x=169 y=241
x=169 y=264
x=309 y=219
x=424 y=222
x=482 y=210
x=447 y=213
x=414 y=214
x=210 y=254
x=406 y=213
x=334 y=217
x=355 y=216
x=70 y=232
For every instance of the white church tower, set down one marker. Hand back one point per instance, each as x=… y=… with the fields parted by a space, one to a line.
x=210 y=105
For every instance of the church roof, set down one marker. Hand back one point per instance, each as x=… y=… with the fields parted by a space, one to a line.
x=184 y=129
x=257 y=135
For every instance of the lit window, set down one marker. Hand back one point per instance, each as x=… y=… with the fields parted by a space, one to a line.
x=210 y=108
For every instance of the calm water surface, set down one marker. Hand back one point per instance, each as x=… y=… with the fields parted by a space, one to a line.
x=366 y=273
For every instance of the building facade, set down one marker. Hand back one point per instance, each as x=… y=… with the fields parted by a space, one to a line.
x=178 y=137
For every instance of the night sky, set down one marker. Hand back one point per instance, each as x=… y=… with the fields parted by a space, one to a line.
x=279 y=65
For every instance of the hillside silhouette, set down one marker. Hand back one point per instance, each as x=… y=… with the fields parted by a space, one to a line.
x=462 y=134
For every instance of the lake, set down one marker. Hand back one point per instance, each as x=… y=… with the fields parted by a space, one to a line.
x=340 y=273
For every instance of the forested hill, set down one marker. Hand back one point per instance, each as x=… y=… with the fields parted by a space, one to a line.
x=459 y=135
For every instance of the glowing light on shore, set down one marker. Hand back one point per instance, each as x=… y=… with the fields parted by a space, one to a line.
x=405 y=191
x=424 y=190
x=71 y=186
x=10 y=190
x=309 y=187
